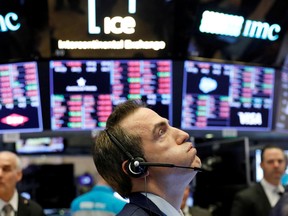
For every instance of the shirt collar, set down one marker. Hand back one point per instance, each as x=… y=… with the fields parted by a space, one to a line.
x=271 y=187
x=13 y=202
x=163 y=205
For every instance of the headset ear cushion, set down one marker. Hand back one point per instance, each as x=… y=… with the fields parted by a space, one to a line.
x=134 y=169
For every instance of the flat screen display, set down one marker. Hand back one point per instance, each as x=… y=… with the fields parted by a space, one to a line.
x=20 y=103
x=24 y=32
x=84 y=92
x=227 y=165
x=219 y=96
x=40 y=145
x=246 y=31
x=111 y=28
x=281 y=116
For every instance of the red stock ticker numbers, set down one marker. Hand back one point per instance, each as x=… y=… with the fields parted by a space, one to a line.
x=84 y=92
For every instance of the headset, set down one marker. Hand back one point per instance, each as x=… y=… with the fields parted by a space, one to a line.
x=137 y=166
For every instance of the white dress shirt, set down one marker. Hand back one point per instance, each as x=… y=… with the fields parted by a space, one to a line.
x=272 y=191
x=13 y=202
x=163 y=205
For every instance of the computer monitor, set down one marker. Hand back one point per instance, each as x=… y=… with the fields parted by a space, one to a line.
x=40 y=145
x=227 y=165
x=112 y=29
x=20 y=102
x=50 y=185
x=281 y=112
x=84 y=92
x=24 y=30
x=218 y=96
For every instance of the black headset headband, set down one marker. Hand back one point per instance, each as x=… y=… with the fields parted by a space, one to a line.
x=133 y=167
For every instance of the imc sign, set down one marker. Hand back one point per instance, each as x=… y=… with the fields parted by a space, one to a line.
x=112 y=25
x=235 y=26
x=9 y=22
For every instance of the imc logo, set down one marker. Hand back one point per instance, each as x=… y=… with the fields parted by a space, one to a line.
x=231 y=25
x=9 y=22
x=114 y=25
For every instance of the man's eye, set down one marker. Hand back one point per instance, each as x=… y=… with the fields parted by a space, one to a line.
x=7 y=169
x=161 y=132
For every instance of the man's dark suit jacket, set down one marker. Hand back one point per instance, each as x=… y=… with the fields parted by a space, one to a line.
x=281 y=207
x=140 y=205
x=28 y=208
x=251 y=201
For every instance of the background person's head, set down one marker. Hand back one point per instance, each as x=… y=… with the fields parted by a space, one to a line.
x=273 y=163
x=10 y=174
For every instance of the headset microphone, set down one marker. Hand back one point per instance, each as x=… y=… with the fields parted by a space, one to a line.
x=137 y=167
x=170 y=165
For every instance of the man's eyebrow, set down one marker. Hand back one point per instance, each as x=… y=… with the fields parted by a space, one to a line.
x=160 y=124
x=7 y=166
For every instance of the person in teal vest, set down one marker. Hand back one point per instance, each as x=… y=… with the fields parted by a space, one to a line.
x=100 y=200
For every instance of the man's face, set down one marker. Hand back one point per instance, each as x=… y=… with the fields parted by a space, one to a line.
x=161 y=142
x=273 y=165
x=9 y=175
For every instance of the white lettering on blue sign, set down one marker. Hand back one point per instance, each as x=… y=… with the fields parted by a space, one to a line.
x=232 y=25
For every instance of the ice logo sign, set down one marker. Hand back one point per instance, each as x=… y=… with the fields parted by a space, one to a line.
x=250 y=118
x=114 y=25
x=207 y=85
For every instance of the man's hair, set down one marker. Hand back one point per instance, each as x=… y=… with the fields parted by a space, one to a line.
x=107 y=156
x=18 y=162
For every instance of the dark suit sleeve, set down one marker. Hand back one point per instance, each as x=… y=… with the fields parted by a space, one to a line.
x=251 y=201
x=241 y=206
x=29 y=208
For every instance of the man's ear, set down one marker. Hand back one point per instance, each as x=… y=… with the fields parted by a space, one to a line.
x=19 y=175
x=124 y=167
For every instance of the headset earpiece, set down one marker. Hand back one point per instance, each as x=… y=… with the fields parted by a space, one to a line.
x=134 y=169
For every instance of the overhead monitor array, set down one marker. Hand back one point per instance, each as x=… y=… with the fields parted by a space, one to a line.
x=82 y=93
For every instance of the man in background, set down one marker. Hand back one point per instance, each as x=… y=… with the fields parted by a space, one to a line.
x=258 y=199
x=12 y=203
x=100 y=200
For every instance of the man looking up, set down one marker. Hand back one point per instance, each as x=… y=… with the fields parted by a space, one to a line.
x=136 y=134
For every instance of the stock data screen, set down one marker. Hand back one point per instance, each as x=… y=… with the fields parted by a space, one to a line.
x=20 y=104
x=220 y=96
x=84 y=92
x=281 y=117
